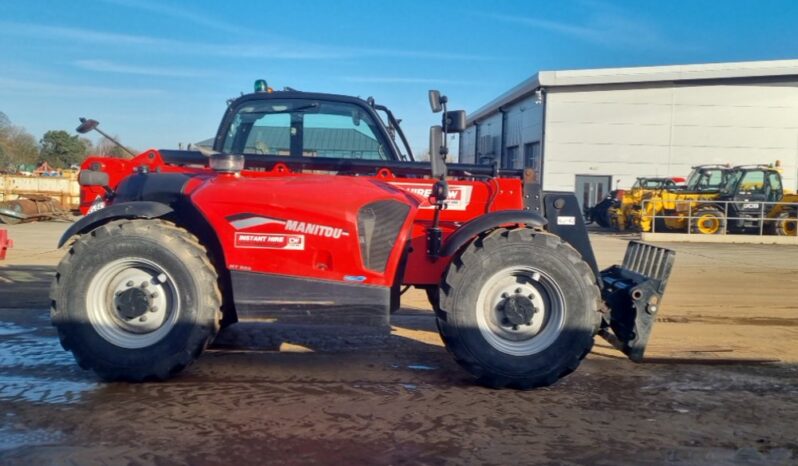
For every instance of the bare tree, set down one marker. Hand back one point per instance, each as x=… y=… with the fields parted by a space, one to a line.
x=17 y=146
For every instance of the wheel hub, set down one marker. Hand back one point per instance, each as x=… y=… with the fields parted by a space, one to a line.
x=520 y=310
x=517 y=310
x=132 y=303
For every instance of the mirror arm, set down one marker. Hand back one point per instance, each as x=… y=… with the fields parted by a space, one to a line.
x=115 y=142
x=440 y=191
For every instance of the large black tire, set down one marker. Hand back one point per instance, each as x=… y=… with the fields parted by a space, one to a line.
x=708 y=221
x=786 y=224
x=494 y=348
x=136 y=300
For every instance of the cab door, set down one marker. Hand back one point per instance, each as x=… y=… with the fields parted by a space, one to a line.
x=751 y=193
x=775 y=191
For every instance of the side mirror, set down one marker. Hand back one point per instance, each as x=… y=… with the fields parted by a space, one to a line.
x=435 y=102
x=86 y=125
x=435 y=157
x=454 y=121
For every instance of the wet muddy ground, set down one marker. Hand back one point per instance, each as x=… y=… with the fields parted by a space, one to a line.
x=720 y=385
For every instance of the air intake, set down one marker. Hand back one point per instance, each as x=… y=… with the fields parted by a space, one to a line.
x=378 y=226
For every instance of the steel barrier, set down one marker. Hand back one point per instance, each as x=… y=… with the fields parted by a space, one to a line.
x=688 y=211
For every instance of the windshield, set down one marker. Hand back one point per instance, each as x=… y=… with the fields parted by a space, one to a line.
x=707 y=178
x=393 y=129
x=649 y=183
x=310 y=128
x=694 y=178
x=730 y=187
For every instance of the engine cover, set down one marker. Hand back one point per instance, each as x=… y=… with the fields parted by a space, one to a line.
x=309 y=242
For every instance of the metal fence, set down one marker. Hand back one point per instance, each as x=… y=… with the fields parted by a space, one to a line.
x=64 y=189
x=758 y=216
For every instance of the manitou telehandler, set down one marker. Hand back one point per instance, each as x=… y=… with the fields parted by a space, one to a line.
x=306 y=203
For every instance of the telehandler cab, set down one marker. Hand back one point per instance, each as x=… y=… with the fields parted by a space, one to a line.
x=307 y=204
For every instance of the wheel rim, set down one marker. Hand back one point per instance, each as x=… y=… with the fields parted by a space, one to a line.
x=788 y=227
x=132 y=302
x=503 y=312
x=708 y=224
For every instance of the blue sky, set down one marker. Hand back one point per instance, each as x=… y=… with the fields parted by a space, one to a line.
x=157 y=73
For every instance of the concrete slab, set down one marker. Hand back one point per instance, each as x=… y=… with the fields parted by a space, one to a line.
x=723 y=239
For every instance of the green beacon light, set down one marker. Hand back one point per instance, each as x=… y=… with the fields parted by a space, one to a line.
x=261 y=86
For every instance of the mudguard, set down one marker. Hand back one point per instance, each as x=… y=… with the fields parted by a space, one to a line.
x=485 y=222
x=137 y=209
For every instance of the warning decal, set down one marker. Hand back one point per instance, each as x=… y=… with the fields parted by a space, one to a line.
x=270 y=241
x=459 y=195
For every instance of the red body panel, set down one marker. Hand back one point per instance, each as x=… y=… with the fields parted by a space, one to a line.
x=303 y=225
x=304 y=197
x=117 y=169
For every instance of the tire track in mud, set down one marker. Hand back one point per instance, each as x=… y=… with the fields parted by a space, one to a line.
x=402 y=401
x=320 y=417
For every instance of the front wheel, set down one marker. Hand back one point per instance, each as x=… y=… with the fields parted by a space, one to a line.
x=518 y=308
x=136 y=300
x=786 y=224
x=708 y=221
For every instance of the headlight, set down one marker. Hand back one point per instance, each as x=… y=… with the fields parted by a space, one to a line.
x=96 y=205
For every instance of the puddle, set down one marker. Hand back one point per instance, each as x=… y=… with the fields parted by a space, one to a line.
x=7 y=329
x=10 y=439
x=49 y=363
x=421 y=367
x=33 y=351
x=41 y=390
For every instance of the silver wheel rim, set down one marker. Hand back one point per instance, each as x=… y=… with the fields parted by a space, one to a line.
x=545 y=324
x=132 y=275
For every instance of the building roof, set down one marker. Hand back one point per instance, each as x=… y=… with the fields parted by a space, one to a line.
x=640 y=74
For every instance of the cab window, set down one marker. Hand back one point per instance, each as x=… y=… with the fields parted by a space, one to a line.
x=304 y=127
x=753 y=182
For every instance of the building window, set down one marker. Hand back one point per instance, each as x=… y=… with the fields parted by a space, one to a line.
x=511 y=158
x=532 y=156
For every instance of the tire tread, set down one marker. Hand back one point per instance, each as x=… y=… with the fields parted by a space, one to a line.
x=191 y=253
x=471 y=254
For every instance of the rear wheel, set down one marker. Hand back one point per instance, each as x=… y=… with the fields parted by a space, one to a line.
x=786 y=224
x=136 y=300
x=708 y=221
x=518 y=308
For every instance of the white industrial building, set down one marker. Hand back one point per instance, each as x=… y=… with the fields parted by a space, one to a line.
x=590 y=131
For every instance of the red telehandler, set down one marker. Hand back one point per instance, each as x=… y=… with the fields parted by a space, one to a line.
x=307 y=203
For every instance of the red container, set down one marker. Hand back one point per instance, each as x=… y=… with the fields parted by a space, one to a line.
x=5 y=243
